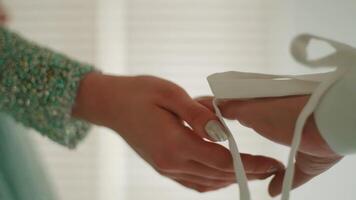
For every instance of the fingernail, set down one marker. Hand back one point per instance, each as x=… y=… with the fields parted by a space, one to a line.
x=215 y=131
x=272 y=169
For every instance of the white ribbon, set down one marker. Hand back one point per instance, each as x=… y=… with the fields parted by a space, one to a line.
x=240 y=85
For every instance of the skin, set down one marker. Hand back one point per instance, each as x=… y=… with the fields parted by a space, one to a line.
x=274 y=118
x=148 y=113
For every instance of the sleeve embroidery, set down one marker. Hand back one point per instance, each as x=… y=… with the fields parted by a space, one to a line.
x=38 y=88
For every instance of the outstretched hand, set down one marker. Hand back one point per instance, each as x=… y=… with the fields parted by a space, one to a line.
x=149 y=112
x=275 y=118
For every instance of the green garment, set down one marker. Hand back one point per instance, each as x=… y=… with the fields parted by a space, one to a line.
x=37 y=89
x=21 y=174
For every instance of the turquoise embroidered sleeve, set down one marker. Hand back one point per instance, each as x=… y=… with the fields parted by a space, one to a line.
x=38 y=88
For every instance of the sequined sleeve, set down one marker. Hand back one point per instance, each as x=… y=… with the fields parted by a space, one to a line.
x=38 y=88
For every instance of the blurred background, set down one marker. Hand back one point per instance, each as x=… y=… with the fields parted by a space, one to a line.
x=183 y=41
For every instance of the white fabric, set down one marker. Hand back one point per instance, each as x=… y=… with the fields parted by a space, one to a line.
x=239 y=85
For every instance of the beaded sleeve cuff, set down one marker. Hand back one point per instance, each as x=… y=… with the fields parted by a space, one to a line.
x=38 y=88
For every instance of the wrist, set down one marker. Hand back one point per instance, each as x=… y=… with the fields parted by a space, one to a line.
x=86 y=96
x=97 y=95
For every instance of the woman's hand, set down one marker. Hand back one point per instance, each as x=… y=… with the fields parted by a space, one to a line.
x=275 y=118
x=148 y=113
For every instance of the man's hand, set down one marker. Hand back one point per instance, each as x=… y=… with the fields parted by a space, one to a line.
x=275 y=118
x=148 y=113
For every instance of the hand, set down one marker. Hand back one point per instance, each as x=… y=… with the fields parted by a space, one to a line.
x=275 y=118
x=148 y=113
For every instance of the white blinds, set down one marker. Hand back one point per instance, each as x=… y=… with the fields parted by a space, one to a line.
x=186 y=40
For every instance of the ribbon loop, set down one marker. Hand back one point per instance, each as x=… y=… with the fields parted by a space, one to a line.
x=344 y=54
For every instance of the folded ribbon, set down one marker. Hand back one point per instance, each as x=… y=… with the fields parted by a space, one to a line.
x=240 y=85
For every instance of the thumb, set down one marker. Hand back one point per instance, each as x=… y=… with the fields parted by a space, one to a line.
x=306 y=167
x=275 y=186
x=202 y=120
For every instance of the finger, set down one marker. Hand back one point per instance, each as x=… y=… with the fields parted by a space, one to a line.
x=273 y=118
x=194 y=186
x=275 y=186
x=202 y=120
x=206 y=101
x=200 y=180
x=230 y=109
x=202 y=170
x=306 y=168
x=183 y=152
x=198 y=187
x=218 y=157
x=212 y=155
x=260 y=166
x=239 y=109
x=252 y=177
